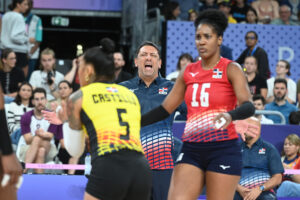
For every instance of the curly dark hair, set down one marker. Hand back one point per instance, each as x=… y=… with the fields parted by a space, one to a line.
x=214 y=18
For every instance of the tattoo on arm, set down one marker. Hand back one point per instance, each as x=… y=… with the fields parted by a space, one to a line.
x=73 y=110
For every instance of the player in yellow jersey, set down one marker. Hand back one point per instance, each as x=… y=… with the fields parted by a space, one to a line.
x=110 y=115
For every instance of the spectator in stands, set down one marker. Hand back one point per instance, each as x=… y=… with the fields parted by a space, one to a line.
x=294 y=117
x=13 y=33
x=267 y=10
x=262 y=168
x=37 y=144
x=225 y=7
x=283 y=68
x=239 y=10
x=183 y=61
x=186 y=6
x=35 y=34
x=251 y=17
x=295 y=8
x=10 y=76
x=290 y=187
x=72 y=76
x=259 y=53
x=47 y=77
x=280 y=103
x=259 y=104
x=15 y=110
x=157 y=139
x=193 y=14
x=208 y=4
x=120 y=74
x=257 y=84
x=172 y=11
x=285 y=15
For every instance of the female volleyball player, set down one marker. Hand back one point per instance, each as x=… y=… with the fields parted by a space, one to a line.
x=211 y=88
x=110 y=115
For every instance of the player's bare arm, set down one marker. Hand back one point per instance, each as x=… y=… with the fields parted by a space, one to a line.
x=73 y=110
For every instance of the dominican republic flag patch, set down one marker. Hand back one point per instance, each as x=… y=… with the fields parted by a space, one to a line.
x=112 y=89
x=262 y=151
x=217 y=73
x=163 y=91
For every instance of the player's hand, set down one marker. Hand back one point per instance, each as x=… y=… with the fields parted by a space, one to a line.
x=51 y=117
x=222 y=120
x=253 y=194
x=11 y=167
x=242 y=127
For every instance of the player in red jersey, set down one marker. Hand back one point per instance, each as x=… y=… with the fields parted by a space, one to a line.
x=211 y=88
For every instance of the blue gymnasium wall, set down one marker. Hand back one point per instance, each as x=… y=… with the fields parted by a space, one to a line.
x=280 y=42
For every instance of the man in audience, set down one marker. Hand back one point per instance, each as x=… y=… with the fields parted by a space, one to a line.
x=262 y=168
x=37 y=144
x=120 y=74
x=259 y=53
x=35 y=34
x=280 y=103
x=284 y=14
x=225 y=7
x=157 y=138
x=259 y=104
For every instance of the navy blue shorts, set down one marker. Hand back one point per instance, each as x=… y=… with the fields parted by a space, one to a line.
x=223 y=157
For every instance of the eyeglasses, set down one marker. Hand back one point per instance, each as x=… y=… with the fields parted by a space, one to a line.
x=250 y=38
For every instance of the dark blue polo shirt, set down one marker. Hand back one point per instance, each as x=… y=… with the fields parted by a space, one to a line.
x=260 y=163
x=157 y=138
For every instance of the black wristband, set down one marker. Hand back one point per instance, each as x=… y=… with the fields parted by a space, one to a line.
x=155 y=115
x=244 y=111
x=5 y=142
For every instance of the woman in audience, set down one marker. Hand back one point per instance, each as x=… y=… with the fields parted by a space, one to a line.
x=183 y=61
x=13 y=33
x=257 y=84
x=47 y=77
x=193 y=14
x=172 y=11
x=267 y=10
x=290 y=187
x=239 y=10
x=10 y=76
x=17 y=108
x=283 y=68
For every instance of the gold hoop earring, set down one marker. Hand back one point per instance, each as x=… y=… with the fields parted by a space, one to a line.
x=87 y=78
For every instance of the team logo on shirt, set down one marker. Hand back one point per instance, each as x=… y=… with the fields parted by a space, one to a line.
x=262 y=151
x=163 y=91
x=112 y=89
x=217 y=74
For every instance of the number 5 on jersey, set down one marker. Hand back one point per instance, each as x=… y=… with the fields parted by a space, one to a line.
x=204 y=96
x=123 y=123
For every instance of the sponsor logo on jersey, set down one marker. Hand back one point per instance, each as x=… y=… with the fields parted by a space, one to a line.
x=262 y=151
x=163 y=91
x=217 y=74
x=193 y=74
x=112 y=89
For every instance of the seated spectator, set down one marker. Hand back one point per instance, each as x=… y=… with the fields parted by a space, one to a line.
x=280 y=103
x=172 y=11
x=193 y=14
x=261 y=168
x=208 y=4
x=290 y=187
x=259 y=53
x=267 y=10
x=295 y=7
x=257 y=84
x=37 y=144
x=47 y=77
x=284 y=16
x=251 y=17
x=10 y=76
x=239 y=10
x=15 y=110
x=259 y=104
x=183 y=61
x=283 y=68
x=294 y=117
x=225 y=7
x=72 y=76
x=120 y=74
x=186 y=6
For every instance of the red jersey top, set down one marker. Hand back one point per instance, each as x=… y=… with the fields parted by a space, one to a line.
x=208 y=93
